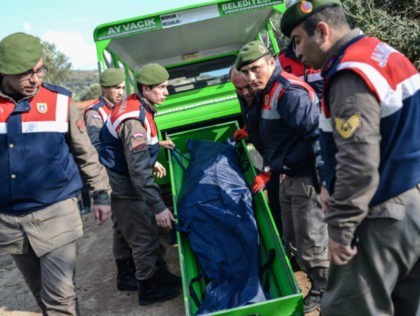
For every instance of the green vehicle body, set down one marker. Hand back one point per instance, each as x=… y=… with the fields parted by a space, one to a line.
x=198 y=44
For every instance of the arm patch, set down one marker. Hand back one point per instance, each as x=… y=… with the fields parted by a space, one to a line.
x=346 y=128
x=138 y=142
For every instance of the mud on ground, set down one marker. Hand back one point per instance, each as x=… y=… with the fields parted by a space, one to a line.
x=95 y=281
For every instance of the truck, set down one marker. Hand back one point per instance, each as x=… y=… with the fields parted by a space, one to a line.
x=198 y=44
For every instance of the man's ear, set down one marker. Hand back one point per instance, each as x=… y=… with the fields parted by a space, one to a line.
x=324 y=31
x=272 y=62
x=146 y=90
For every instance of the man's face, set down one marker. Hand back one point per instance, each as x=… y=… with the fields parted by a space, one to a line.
x=259 y=72
x=114 y=94
x=242 y=86
x=27 y=83
x=308 y=48
x=156 y=94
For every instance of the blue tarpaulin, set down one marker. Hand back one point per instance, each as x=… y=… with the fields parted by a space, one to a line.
x=215 y=210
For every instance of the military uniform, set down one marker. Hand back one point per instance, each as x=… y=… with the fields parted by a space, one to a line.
x=251 y=117
x=39 y=216
x=135 y=196
x=370 y=129
x=291 y=64
x=95 y=116
x=129 y=149
x=288 y=135
x=369 y=141
x=289 y=131
x=44 y=149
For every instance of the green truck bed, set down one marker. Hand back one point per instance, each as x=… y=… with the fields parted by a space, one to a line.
x=286 y=297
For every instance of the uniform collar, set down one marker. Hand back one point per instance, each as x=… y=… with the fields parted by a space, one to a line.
x=272 y=80
x=337 y=49
x=108 y=103
x=147 y=104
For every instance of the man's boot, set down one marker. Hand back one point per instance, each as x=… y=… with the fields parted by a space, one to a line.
x=312 y=301
x=171 y=279
x=318 y=277
x=126 y=279
x=156 y=289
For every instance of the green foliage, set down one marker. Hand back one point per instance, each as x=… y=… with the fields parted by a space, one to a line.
x=59 y=66
x=84 y=84
x=408 y=9
x=91 y=92
x=391 y=21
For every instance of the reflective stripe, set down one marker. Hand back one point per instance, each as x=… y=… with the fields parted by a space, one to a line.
x=150 y=140
x=111 y=128
x=61 y=112
x=314 y=77
x=114 y=125
x=325 y=124
x=103 y=113
x=311 y=92
x=39 y=127
x=272 y=113
x=390 y=100
x=3 y=128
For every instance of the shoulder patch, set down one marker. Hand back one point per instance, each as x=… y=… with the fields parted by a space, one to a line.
x=346 y=128
x=138 y=142
x=42 y=107
x=80 y=125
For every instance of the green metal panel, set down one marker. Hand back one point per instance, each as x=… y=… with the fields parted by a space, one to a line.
x=209 y=29
x=198 y=106
x=183 y=37
x=286 y=297
x=185 y=15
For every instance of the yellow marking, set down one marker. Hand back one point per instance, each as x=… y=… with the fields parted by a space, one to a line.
x=346 y=128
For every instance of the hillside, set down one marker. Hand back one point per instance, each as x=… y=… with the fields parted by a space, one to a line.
x=84 y=84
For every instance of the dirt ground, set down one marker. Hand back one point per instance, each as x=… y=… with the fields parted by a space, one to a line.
x=95 y=280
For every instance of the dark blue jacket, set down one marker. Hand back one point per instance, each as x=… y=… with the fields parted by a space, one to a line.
x=251 y=118
x=395 y=81
x=36 y=166
x=289 y=124
x=111 y=149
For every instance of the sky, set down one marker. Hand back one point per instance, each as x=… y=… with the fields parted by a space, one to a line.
x=69 y=24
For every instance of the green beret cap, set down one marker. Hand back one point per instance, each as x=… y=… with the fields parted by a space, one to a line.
x=19 y=52
x=112 y=77
x=152 y=74
x=249 y=53
x=300 y=11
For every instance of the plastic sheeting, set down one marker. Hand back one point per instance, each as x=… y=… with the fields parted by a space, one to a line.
x=215 y=210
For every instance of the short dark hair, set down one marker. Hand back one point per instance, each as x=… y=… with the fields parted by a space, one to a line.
x=333 y=16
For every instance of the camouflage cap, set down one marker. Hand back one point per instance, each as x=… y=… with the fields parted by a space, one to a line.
x=112 y=77
x=300 y=11
x=152 y=74
x=249 y=53
x=19 y=52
